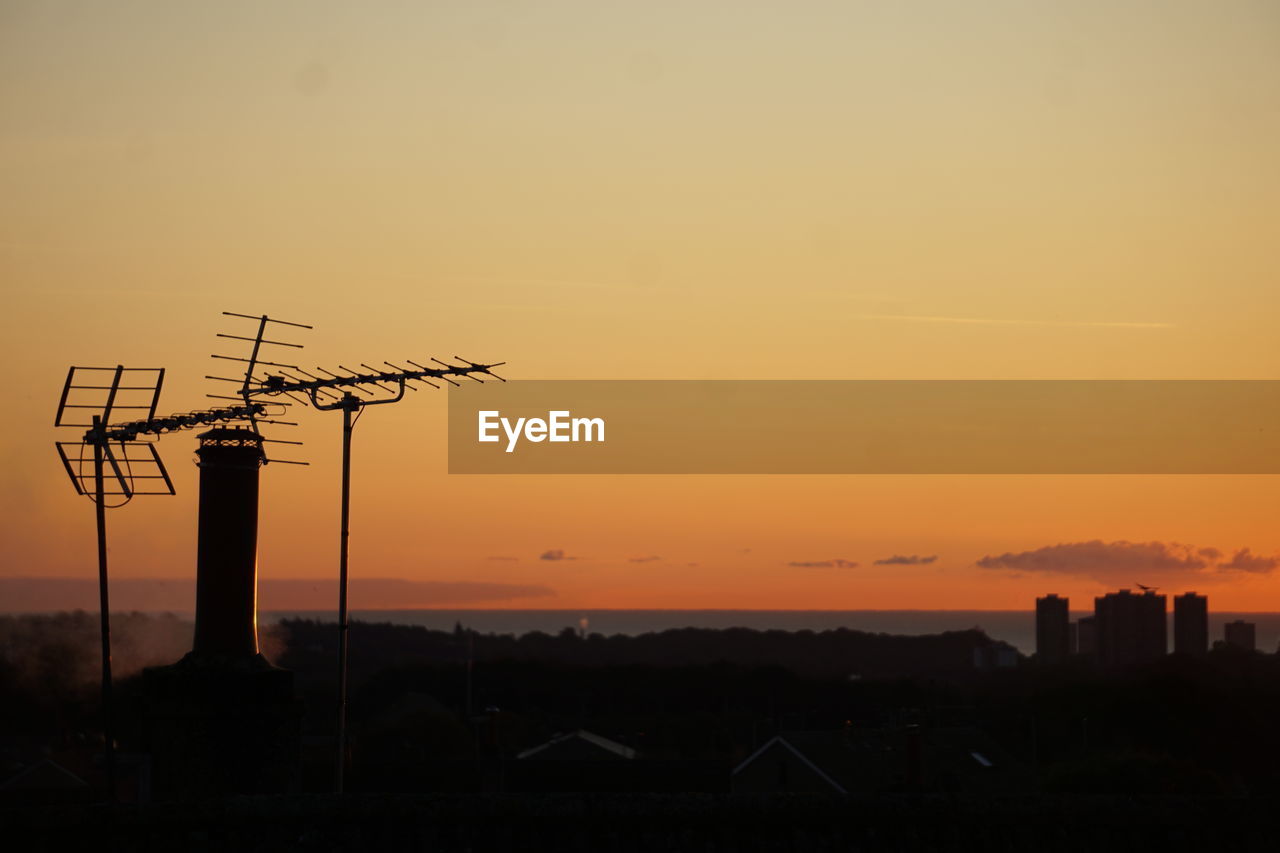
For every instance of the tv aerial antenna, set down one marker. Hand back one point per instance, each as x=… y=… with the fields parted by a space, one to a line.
x=338 y=391
x=123 y=464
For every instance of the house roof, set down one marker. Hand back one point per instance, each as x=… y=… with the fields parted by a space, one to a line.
x=579 y=745
x=836 y=756
x=43 y=775
x=849 y=761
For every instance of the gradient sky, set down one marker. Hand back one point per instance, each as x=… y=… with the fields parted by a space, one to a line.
x=638 y=190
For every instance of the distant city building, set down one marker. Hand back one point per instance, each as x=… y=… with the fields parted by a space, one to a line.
x=1131 y=628
x=995 y=655
x=1190 y=624
x=1086 y=636
x=1053 y=631
x=1241 y=635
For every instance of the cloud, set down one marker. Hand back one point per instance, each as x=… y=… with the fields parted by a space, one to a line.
x=555 y=554
x=1244 y=561
x=823 y=564
x=648 y=559
x=900 y=560
x=1128 y=563
x=504 y=559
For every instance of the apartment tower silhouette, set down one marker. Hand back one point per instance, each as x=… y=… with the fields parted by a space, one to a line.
x=1190 y=624
x=1053 y=629
x=1131 y=628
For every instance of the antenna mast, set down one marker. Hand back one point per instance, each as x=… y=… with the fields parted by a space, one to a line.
x=135 y=469
x=322 y=393
x=125 y=463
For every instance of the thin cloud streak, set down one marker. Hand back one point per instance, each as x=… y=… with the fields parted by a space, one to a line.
x=993 y=321
x=907 y=560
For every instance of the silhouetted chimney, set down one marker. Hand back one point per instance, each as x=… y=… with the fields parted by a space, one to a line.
x=223 y=720
x=227 y=551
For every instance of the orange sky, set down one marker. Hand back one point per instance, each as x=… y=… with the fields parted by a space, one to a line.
x=701 y=190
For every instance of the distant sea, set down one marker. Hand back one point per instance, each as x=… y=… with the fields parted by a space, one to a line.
x=1016 y=627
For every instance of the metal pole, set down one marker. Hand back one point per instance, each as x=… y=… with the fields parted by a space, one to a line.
x=349 y=404
x=471 y=656
x=104 y=608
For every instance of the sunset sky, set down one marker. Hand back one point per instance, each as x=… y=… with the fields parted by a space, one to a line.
x=736 y=190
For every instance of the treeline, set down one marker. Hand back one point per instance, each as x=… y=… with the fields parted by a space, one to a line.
x=420 y=697
x=841 y=653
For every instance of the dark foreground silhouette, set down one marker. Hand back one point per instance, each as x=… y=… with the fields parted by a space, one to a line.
x=732 y=739
x=641 y=823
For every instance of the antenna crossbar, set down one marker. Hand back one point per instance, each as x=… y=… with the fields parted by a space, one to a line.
x=281 y=384
x=186 y=420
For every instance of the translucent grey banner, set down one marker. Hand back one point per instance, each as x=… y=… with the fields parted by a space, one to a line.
x=866 y=427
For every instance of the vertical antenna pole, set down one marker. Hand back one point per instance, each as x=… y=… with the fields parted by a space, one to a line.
x=253 y=356
x=104 y=606
x=349 y=404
